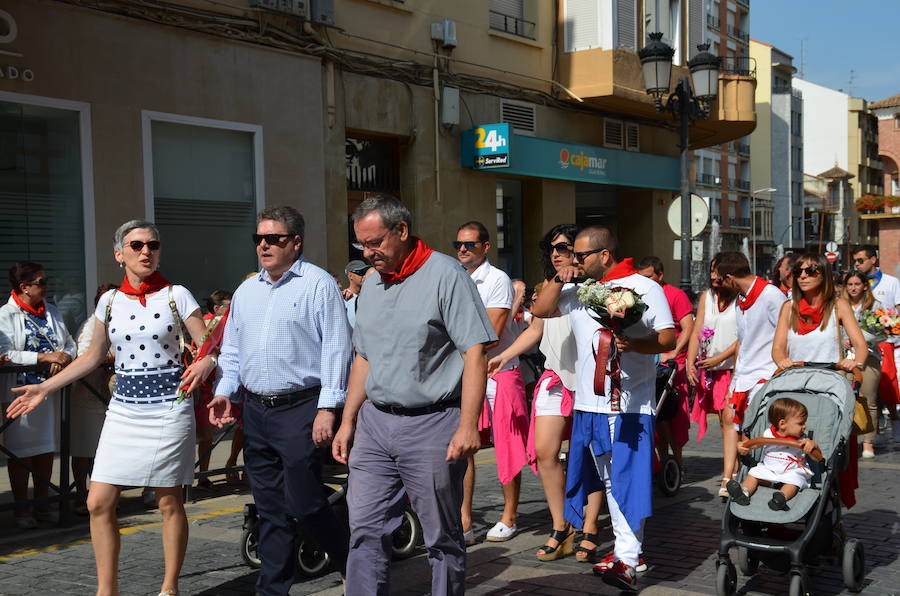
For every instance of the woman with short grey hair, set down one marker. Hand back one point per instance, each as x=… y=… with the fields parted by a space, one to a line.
x=148 y=434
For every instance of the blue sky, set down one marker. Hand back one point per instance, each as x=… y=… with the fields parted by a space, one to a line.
x=838 y=36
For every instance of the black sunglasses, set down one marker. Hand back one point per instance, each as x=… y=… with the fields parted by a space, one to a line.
x=860 y=261
x=138 y=246
x=811 y=271
x=469 y=244
x=580 y=256
x=270 y=239
x=42 y=282
x=562 y=248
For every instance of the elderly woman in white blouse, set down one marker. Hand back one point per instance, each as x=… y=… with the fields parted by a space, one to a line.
x=148 y=435
x=32 y=332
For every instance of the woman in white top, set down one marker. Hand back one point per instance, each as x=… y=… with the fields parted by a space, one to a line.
x=711 y=375
x=148 y=436
x=552 y=406
x=858 y=293
x=32 y=332
x=809 y=330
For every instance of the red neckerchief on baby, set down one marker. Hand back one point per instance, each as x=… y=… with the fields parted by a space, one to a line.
x=810 y=317
x=39 y=311
x=154 y=283
x=623 y=268
x=756 y=289
x=412 y=263
x=778 y=435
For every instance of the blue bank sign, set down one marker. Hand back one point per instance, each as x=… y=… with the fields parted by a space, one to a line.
x=545 y=158
x=491 y=146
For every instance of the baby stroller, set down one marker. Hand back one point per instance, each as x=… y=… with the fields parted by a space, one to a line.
x=311 y=561
x=666 y=470
x=789 y=540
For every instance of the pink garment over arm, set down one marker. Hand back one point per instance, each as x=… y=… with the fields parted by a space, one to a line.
x=509 y=422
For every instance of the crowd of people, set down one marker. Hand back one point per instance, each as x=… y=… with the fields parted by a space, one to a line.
x=406 y=373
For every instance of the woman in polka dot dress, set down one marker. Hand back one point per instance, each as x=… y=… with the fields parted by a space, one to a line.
x=148 y=436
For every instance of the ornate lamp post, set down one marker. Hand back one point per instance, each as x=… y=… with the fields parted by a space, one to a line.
x=690 y=100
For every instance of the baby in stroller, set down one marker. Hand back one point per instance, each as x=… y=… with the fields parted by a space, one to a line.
x=779 y=465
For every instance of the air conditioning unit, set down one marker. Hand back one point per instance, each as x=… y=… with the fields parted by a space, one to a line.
x=300 y=8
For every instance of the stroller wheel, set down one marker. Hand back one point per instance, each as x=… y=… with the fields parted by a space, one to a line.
x=853 y=563
x=311 y=561
x=746 y=561
x=406 y=537
x=726 y=579
x=668 y=478
x=250 y=546
x=799 y=585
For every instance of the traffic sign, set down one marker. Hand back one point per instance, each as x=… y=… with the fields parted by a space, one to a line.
x=831 y=246
x=831 y=256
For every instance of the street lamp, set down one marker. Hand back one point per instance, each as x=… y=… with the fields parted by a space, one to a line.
x=686 y=103
x=753 y=218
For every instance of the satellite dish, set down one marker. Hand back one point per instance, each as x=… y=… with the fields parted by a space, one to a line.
x=699 y=215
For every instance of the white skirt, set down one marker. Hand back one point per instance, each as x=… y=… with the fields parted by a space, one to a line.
x=154 y=451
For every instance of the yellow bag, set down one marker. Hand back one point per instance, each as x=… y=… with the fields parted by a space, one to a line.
x=862 y=423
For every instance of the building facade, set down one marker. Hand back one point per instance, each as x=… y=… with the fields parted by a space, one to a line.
x=777 y=149
x=888 y=113
x=196 y=114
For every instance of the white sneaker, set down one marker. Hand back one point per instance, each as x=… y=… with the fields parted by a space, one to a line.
x=868 y=453
x=501 y=532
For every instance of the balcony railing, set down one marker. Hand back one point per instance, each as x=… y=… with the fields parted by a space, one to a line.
x=743 y=148
x=739 y=222
x=738 y=34
x=511 y=24
x=707 y=179
x=712 y=22
x=744 y=3
x=738 y=65
x=782 y=88
x=740 y=184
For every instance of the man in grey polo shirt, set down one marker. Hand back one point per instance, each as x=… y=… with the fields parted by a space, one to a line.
x=420 y=337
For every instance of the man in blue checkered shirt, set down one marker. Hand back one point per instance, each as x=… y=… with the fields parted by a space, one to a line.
x=287 y=342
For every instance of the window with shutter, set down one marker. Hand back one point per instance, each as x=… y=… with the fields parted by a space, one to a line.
x=581 y=25
x=204 y=186
x=626 y=24
x=613 y=133
x=42 y=200
x=632 y=136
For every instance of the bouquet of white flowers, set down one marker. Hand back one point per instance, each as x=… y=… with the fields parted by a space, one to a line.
x=615 y=308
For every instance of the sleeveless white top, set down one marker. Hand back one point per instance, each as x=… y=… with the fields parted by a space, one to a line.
x=558 y=347
x=725 y=326
x=819 y=345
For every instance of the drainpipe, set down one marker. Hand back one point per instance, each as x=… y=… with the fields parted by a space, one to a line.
x=437 y=130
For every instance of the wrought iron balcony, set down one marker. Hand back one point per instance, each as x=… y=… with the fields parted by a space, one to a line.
x=511 y=24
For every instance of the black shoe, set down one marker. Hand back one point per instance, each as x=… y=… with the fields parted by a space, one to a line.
x=778 y=502
x=737 y=493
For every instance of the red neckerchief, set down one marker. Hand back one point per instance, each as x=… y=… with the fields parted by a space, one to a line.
x=756 y=289
x=411 y=264
x=784 y=289
x=778 y=435
x=38 y=312
x=154 y=283
x=810 y=317
x=623 y=268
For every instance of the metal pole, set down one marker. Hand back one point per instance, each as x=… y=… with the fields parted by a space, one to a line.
x=684 y=96
x=65 y=459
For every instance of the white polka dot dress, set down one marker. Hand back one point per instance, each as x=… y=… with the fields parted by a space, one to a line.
x=148 y=438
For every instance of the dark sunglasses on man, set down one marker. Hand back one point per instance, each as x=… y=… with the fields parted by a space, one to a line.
x=271 y=239
x=469 y=244
x=860 y=261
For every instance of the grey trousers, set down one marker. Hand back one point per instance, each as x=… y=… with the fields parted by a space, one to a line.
x=392 y=457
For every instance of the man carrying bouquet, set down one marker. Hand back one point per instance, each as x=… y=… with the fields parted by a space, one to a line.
x=612 y=436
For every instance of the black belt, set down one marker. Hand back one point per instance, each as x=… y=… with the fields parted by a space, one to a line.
x=401 y=411
x=285 y=399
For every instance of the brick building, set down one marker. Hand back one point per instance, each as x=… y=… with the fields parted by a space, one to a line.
x=888 y=113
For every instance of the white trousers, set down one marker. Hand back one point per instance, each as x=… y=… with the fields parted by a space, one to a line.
x=628 y=542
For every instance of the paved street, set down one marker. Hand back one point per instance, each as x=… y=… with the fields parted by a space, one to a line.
x=680 y=544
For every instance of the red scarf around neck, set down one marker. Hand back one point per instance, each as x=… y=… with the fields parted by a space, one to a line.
x=154 y=283
x=778 y=435
x=411 y=264
x=784 y=289
x=810 y=317
x=40 y=311
x=759 y=284
x=623 y=268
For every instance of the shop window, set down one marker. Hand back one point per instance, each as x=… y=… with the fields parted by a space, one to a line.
x=42 y=199
x=509 y=227
x=372 y=167
x=205 y=190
